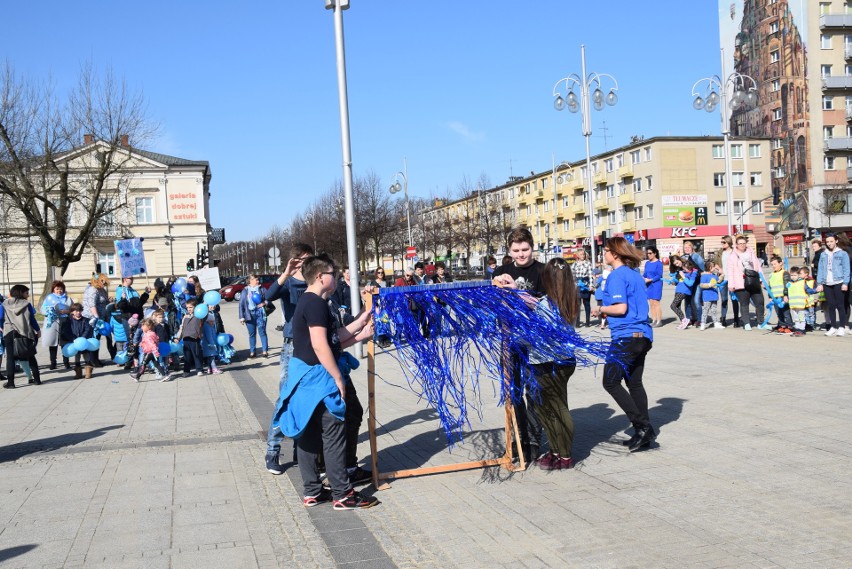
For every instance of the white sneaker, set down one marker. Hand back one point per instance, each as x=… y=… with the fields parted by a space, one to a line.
x=158 y=376
x=831 y=332
x=683 y=324
x=718 y=325
x=747 y=327
x=702 y=327
x=841 y=331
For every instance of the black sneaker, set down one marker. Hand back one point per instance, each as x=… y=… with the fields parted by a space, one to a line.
x=360 y=476
x=272 y=464
x=355 y=500
x=321 y=498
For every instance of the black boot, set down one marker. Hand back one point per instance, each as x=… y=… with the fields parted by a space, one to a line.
x=52 y=350
x=642 y=439
x=67 y=362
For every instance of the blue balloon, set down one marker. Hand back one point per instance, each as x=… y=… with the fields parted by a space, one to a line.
x=177 y=348
x=230 y=339
x=165 y=348
x=201 y=311
x=256 y=298
x=51 y=301
x=212 y=297
x=81 y=344
x=176 y=289
x=60 y=307
x=106 y=329
x=69 y=351
x=222 y=339
x=181 y=283
x=121 y=358
x=93 y=344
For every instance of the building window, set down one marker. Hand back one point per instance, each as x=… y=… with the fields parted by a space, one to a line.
x=828 y=103
x=773 y=28
x=639 y=212
x=824 y=41
x=543 y=183
x=776 y=114
x=828 y=162
x=737 y=151
x=775 y=85
x=610 y=191
x=824 y=8
x=586 y=197
x=738 y=206
x=619 y=160
x=634 y=157
x=721 y=208
x=718 y=151
x=566 y=225
x=825 y=70
x=648 y=185
x=528 y=210
x=648 y=154
x=611 y=217
x=565 y=201
x=527 y=189
x=546 y=205
x=608 y=164
x=107 y=263
x=511 y=193
x=827 y=132
x=755 y=178
x=719 y=180
x=650 y=211
x=637 y=185
x=757 y=206
x=144 y=210
x=737 y=179
x=776 y=144
x=774 y=56
x=754 y=151
x=587 y=221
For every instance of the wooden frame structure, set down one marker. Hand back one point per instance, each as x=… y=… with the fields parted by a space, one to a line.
x=511 y=430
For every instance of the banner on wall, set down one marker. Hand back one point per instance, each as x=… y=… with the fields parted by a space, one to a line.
x=684 y=216
x=131 y=257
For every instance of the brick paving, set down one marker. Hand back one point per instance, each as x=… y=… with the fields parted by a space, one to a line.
x=751 y=470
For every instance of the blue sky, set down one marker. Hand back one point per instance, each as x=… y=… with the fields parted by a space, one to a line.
x=459 y=88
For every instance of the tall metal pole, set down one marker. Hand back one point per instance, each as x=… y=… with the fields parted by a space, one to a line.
x=726 y=131
x=407 y=207
x=343 y=97
x=587 y=132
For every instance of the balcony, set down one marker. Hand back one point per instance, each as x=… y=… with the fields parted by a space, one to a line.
x=602 y=203
x=598 y=179
x=625 y=172
x=576 y=184
x=843 y=144
x=840 y=82
x=835 y=21
x=627 y=198
x=627 y=226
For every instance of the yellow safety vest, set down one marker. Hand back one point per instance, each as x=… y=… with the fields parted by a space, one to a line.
x=776 y=284
x=797 y=295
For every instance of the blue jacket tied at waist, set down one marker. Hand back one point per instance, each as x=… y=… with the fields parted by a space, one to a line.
x=306 y=387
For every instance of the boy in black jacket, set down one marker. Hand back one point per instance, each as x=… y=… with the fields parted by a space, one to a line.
x=73 y=327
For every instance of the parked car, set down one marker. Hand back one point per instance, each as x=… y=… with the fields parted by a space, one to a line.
x=234 y=290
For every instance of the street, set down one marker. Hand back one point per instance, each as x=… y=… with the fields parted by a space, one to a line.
x=751 y=469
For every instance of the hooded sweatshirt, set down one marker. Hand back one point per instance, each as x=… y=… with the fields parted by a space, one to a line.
x=19 y=316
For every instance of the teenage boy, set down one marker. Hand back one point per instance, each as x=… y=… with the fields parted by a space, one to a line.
x=311 y=406
x=289 y=288
x=523 y=273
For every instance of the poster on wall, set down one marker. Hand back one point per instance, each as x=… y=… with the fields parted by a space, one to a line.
x=131 y=257
x=684 y=216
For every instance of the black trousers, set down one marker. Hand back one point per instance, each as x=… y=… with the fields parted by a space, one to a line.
x=192 y=355
x=835 y=299
x=9 y=345
x=626 y=361
x=324 y=435
x=745 y=297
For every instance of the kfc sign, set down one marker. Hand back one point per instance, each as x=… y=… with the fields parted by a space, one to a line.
x=684 y=232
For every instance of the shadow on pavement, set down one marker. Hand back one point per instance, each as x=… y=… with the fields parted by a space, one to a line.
x=15 y=451
x=10 y=552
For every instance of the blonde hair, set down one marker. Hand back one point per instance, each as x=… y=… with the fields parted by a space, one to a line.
x=100 y=281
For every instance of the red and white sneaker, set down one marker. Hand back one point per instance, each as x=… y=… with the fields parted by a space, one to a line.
x=354 y=501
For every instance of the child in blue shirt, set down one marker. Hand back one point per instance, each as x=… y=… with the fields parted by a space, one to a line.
x=710 y=295
x=683 y=292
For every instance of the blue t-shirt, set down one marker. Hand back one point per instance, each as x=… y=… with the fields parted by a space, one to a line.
x=709 y=294
x=686 y=285
x=626 y=286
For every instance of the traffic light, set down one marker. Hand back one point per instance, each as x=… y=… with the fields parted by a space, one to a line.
x=776 y=196
x=202 y=257
x=190 y=265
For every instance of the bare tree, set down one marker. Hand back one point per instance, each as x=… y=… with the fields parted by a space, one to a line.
x=467 y=221
x=66 y=194
x=835 y=201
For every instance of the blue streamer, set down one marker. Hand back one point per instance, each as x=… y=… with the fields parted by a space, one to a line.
x=451 y=336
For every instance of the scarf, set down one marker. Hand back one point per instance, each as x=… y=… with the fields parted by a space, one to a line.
x=250 y=290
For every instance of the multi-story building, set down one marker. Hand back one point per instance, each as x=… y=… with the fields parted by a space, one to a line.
x=660 y=191
x=166 y=203
x=800 y=55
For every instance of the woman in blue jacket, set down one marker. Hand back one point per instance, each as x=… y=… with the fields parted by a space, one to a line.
x=253 y=316
x=626 y=307
x=654 y=281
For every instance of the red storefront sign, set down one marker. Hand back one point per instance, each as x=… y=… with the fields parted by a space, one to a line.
x=691 y=231
x=790 y=239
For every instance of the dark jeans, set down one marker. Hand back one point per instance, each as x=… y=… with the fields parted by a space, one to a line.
x=9 y=345
x=626 y=361
x=354 y=418
x=145 y=359
x=324 y=435
x=274 y=436
x=745 y=299
x=835 y=300
x=552 y=408
x=192 y=355
x=723 y=295
x=586 y=299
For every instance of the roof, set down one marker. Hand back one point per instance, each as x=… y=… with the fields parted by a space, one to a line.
x=169 y=160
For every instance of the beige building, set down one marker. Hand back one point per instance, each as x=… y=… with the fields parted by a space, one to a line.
x=164 y=200
x=660 y=191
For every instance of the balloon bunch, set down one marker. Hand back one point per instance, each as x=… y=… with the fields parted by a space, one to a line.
x=102 y=328
x=53 y=308
x=179 y=286
x=226 y=349
x=80 y=345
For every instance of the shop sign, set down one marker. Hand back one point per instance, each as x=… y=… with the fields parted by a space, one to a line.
x=790 y=239
x=684 y=216
x=684 y=199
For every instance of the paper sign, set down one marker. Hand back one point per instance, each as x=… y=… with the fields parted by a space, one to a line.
x=208 y=277
x=131 y=257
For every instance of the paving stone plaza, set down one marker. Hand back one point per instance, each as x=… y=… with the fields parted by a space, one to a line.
x=751 y=469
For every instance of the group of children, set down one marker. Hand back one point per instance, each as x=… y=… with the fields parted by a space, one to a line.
x=710 y=284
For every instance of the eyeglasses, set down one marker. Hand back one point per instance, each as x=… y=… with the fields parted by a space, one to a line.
x=328 y=273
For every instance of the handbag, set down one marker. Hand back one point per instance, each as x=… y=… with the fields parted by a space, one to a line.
x=269 y=308
x=25 y=347
x=751 y=281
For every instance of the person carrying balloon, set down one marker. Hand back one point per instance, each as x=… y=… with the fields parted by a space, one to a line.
x=55 y=311
x=72 y=328
x=253 y=316
x=149 y=352
x=190 y=333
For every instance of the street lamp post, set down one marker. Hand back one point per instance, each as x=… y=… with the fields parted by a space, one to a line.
x=396 y=187
x=716 y=95
x=585 y=82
